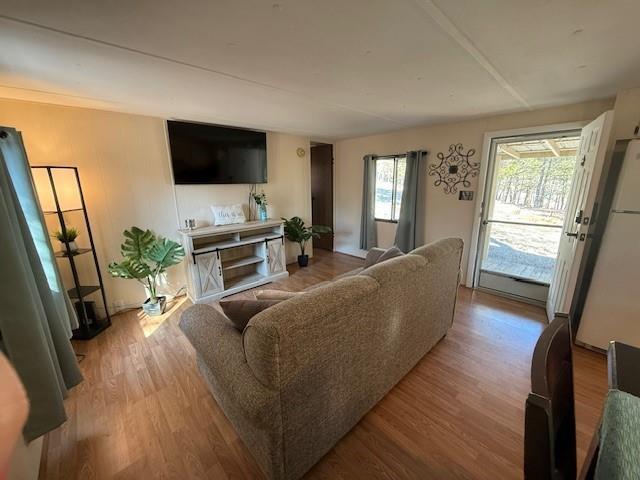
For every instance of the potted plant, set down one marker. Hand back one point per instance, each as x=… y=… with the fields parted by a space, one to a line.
x=67 y=236
x=296 y=231
x=146 y=257
x=261 y=202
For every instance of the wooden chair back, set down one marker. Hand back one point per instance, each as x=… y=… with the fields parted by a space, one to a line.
x=550 y=426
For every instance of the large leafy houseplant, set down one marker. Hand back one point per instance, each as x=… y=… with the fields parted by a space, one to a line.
x=146 y=257
x=296 y=231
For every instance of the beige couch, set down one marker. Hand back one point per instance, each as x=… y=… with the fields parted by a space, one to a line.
x=306 y=370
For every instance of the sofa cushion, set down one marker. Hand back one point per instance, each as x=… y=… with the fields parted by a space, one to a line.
x=318 y=285
x=241 y=311
x=275 y=294
x=298 y=327
x=351 y=273
x=389 y=254
x=372 y=256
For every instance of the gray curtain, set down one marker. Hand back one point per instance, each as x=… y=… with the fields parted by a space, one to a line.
x=410 y=229
x=36 y=315
x=368 y=233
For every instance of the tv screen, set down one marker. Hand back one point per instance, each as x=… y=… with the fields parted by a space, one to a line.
x=203 y=153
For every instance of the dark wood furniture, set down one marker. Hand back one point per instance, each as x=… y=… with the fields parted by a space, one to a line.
x=550 y=427
x=624 y=368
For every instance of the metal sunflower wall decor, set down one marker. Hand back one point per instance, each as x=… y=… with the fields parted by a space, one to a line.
x=454 y=169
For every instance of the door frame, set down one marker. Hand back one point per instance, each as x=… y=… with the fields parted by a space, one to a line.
x=472 y=274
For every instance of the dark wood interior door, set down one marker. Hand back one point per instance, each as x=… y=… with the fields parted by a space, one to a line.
x=322 y=192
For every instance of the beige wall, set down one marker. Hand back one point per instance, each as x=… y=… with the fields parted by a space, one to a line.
x=125 y=172
x=445 y=214
x=626 y=116
x=124 y=167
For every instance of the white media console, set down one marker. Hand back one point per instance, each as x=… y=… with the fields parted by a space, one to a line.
x=228 y=259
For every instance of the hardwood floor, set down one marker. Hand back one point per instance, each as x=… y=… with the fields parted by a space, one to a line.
x=143 y=411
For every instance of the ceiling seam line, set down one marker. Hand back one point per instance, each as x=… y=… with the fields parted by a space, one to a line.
x=49 y=92
x=433 y=11
x=126 y=111
x=199 y=67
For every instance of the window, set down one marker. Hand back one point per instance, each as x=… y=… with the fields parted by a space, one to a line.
x=389 y=185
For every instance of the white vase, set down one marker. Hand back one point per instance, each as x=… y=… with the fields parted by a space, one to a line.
x=72 y=246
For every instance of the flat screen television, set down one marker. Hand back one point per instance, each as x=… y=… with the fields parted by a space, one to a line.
x=202 y=154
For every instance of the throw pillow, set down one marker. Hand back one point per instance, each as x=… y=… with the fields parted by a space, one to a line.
x=275 y=294
x=241 y=311
x=372 y=256
x=389 y=254
x=228 y=214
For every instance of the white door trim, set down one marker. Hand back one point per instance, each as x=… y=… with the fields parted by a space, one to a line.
x=482 y=180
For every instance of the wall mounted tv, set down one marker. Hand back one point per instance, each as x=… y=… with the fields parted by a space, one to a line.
x=202 y=154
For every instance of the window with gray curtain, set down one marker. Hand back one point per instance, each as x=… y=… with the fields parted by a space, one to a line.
x=368 y=233
x=36 y=315
x=410 y=230
x=389 y=186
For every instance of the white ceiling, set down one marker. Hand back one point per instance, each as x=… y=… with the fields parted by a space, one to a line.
x=325 y=68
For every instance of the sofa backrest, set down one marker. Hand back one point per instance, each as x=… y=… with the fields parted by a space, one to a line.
x=291 y=337
x=333 y=352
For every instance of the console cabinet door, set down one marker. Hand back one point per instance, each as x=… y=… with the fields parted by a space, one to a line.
x=209 y=273
x=275 y=255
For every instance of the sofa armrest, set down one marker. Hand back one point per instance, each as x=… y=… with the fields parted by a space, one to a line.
x=206 y=327
x=372 y=256
x=219 y=345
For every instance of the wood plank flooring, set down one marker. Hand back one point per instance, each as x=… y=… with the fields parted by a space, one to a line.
x=144 y=412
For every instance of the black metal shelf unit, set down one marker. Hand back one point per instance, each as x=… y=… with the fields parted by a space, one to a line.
x=90 y=325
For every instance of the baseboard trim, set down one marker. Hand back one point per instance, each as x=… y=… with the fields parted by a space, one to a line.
x=349 y=255
x=352 y=253
x=499 y=293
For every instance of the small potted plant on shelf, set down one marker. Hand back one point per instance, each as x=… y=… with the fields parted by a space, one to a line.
x=146 y=257
x=296 y=231
x=67 y=236
x=261 y=202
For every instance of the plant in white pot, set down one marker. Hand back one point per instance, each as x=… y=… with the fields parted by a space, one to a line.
x=146 y=257
x=67 y=236
x=296 y=231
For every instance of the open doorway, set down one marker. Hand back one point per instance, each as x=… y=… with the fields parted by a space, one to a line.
x=529 y=180
x=322 y=192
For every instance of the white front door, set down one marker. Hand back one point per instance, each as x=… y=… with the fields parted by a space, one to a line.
x=589 y=160
x=525 y=202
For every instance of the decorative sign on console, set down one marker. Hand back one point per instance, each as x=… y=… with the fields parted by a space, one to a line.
x=223 y=260
x=228 y=214
x=454 y=169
